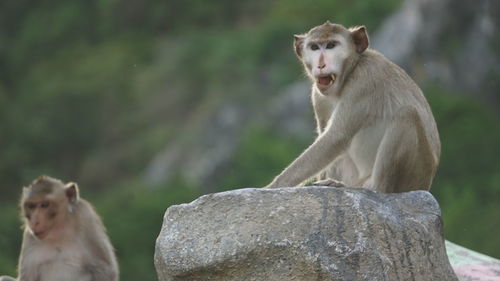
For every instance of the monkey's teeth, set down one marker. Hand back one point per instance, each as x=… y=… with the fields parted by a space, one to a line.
x=332 y=79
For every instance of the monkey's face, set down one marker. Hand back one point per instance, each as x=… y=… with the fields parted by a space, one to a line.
x=324 y=59
x=328 y=52
x=43 y=215
x=47 y=207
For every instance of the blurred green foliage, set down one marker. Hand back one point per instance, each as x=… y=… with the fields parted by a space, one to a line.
x=467 y=184
x=134 y=217
x=262 y=152
x=81 y=99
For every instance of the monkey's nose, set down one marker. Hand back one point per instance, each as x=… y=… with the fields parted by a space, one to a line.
x=321 y=65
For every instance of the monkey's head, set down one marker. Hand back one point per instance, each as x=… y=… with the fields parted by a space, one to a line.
x=328 y=52
x=46 y=204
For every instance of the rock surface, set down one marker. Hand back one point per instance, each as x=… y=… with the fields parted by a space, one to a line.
x=306 y=233
x=472 y=266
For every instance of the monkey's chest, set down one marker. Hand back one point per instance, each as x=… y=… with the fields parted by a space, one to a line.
x=364 y=146
x=63 y=265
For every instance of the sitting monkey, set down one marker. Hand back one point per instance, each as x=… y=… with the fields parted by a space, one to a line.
x=64 y=238
x=375 y=127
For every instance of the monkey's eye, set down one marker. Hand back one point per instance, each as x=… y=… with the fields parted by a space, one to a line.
x=44 y=204
x=30 y=206
x=331 y=45
x=314 y=47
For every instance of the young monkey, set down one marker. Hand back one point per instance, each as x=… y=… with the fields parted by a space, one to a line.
x=64 y=238
x=375 y=127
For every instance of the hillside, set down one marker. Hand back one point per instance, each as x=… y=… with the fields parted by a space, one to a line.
x=151 y=103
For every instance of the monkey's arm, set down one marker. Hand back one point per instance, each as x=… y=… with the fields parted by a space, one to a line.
x=102 y=263
x=103 y=266
x=27 y=269
x=314 y=159
x=322 y=152
x=100 y=273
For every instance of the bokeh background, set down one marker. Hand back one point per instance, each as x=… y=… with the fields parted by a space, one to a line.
x=151 y=103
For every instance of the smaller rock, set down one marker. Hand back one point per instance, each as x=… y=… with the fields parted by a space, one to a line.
x=472 y=266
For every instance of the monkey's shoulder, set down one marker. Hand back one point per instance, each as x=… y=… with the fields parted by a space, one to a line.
x=378 y=63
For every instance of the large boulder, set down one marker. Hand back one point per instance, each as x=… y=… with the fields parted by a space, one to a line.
x=304 y=233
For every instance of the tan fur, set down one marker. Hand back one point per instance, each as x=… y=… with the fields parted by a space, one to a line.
x=63 y=239
x=375 y=127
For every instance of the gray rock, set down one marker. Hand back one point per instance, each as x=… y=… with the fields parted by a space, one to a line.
x=304 y=233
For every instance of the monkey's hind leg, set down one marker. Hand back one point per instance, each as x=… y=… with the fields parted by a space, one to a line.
x=6 y=278
x=404 y=160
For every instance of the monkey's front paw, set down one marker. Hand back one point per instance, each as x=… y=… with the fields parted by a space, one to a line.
x=329 y=182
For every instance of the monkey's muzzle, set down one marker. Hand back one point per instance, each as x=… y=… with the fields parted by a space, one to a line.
x=325 y=82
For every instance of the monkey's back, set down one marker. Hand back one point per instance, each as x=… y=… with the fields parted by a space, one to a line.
x=388 y=89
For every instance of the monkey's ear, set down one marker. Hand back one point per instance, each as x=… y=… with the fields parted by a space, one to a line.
x=71 y=190
x=298 y=43
x=360 y=37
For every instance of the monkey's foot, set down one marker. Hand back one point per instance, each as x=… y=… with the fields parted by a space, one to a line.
x=329 y=182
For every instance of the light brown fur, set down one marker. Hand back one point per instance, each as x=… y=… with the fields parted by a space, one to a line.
x=64 y=238
x=375 y=127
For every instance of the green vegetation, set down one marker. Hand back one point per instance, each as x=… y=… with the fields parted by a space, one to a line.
x=92 y=90
x=468 y=181
x=263 y=153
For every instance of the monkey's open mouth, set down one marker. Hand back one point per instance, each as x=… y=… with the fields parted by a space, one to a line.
x=325 y=82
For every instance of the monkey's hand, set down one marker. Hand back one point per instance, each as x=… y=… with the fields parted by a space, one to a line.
x=329 y=182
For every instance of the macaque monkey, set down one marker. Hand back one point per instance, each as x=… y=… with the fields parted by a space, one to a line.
x=375 y=127
x=64 y=238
